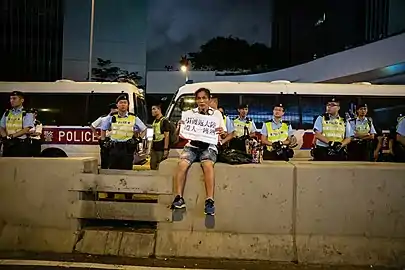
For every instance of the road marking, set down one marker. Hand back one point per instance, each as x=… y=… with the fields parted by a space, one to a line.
x=83 y=265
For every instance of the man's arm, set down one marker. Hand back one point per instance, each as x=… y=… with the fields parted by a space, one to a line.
x=230 y=131
x=348 y=135
x=105 y=125
x=318 y=130
x=401 y=132
x=166 y=133
x=254 y=130
x=3 y=132
x=264 y=133
x=28 y=123
x=139 y=128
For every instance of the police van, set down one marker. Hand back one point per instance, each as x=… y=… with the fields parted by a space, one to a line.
x=66 y=109
x=303 y=102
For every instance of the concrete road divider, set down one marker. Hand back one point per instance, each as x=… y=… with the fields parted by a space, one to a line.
x=311 y=212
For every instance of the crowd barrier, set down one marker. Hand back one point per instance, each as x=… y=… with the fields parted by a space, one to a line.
x=324 y=212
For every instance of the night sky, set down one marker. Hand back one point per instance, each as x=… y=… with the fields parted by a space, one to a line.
x=176 y=27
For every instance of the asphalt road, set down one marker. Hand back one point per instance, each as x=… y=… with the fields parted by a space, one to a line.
x=79 y=261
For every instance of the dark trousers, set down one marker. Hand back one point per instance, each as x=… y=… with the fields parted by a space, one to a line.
x=155 y=158
x=35 y=148
x=322 y=154
x=272 y=155
x=105 y=157
x=121 y=156
x=359 y=151
x=16 y=148
x=399 y=152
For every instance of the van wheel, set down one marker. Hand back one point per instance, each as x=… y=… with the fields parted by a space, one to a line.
x=53 y=152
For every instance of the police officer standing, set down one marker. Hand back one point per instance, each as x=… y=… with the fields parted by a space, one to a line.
x=244 y=128
x=399 y=146
x=35 y=136
x=104 y=151
x=226 y=136
x=161 y=137
x=361 y=147
x=276 y=135
x=332 y=134
x=15 y=124
x=126 y=132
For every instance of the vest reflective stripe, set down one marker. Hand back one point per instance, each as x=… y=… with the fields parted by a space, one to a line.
x=276 y=135
x=14 y=122
x=157 y=134
x=334 y=130
x=362 y=128
x=123 y=128
x=400 y=119
x=240 y=127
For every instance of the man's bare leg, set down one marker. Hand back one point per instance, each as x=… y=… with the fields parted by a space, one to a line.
x=208 y=169
x=180 y=182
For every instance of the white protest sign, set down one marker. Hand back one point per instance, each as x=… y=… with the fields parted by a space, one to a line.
x=199 y=127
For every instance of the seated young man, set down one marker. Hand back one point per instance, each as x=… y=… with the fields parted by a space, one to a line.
x=197 y=151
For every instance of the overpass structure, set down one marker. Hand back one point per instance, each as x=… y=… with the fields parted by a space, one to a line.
x=378 y=62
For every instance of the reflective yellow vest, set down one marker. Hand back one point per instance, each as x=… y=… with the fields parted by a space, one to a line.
x=362 y=128
x=157 y=133
x=123 y=128
x=276 y=135
x=14 y=122
x=240 y=127
x=400 y=119
x=334 y=129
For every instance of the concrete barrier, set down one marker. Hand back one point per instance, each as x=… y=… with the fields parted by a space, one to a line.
x=36 y=203
x=350 y=213
x=332 y=213
x=253 y=217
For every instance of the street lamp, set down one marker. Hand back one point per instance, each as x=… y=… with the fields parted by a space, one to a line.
x=184 y=69
x=91 y=39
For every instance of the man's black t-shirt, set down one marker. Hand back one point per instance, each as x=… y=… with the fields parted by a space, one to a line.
x=164 y=127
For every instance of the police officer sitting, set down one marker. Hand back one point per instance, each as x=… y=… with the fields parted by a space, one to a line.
x=332 y=134
x=399 y=145
x=125 y=128
x=276 y=135
x=361 y=147
x=245 y=128
x=15 y=124
x=104 y=151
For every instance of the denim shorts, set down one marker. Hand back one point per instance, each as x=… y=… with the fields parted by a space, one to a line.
x=191 y=155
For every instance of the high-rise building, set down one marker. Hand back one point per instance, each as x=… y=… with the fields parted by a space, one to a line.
x=303 y=32
x=31 y=40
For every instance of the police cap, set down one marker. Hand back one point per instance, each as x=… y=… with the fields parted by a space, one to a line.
x=112 y=106
x=243 y=106
x=279 y=105
x=121 y=97
x=17 y=93
x=333 y=100
x=361 y=105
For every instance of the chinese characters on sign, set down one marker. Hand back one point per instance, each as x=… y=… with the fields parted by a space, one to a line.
x=199 y=127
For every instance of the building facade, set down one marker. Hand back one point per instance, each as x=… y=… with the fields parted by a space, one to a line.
x=31 y=40
x=303 y=32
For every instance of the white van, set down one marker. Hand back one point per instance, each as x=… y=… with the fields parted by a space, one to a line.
x=67 y=108
x=303 y=102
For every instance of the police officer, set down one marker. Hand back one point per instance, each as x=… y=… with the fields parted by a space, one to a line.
x=361 y=147
x=161 y=137
x=104 y=151
x=226 y=136
x=276 y=135
x=332 y=134
x=244 y=128
x=35 y=136
x=126 y=132
x=15 y=124
x=399 y=145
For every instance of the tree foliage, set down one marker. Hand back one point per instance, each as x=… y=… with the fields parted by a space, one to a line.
x=231 y=54
x=107 y=73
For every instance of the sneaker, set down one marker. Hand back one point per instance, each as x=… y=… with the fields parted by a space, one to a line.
x=209 y=207
x=178 y=203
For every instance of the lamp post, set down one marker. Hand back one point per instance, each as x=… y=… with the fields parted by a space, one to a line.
x=91 y=39
x=184 y=69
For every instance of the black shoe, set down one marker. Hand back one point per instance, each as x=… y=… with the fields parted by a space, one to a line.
x=178 y=203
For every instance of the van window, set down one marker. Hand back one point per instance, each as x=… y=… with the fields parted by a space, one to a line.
x=385 y=110
x=98 y=105
x=141 y=109
x=58 y=109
